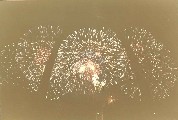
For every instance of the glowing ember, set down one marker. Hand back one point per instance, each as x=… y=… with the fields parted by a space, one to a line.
x=111 y=100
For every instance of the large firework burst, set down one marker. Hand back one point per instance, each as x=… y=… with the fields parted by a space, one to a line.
x=88 y=61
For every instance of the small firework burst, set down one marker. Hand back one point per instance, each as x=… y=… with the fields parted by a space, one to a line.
x=29 y=56
x=157 y=65
x=111 y=100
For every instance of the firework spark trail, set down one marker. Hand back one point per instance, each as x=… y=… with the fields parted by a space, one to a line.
x=89 y=60
x=158 y=66
x=29 y=56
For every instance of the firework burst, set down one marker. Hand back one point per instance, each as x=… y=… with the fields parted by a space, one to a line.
x=157 y=65
x=88 y=61
x=29 y=56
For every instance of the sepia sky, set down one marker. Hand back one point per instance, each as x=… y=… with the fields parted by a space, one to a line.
x=156 y=16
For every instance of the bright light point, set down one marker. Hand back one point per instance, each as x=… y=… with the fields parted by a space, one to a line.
x=82 y=69
x=91 y=66
x=97 y=54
